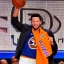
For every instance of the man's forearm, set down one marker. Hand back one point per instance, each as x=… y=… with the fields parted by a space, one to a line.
x=15 y=13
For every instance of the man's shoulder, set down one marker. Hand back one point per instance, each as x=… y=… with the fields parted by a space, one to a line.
x=27 y=27
x=48 y=31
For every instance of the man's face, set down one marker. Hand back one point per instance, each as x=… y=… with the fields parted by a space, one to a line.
x=35 y=22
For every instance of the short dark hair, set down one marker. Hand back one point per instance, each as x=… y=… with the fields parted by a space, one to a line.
x=36 y=15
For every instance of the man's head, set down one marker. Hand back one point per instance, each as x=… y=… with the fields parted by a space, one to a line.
x=3 y=61
x=36 y=21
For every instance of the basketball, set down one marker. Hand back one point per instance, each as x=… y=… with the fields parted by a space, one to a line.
x=18 y=3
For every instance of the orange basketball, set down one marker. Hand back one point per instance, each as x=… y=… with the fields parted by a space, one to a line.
x=19 y=3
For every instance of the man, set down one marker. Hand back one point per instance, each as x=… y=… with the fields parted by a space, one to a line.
x=61 y=62
x=36 y=45
x=3 y=61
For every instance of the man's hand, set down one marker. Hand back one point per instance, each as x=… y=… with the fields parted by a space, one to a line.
x=51 y=40
x=61 y=62
x=3 y=61
x=16 y=12
x=14 y=60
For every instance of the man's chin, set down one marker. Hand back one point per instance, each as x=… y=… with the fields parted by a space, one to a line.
x=35 y=28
